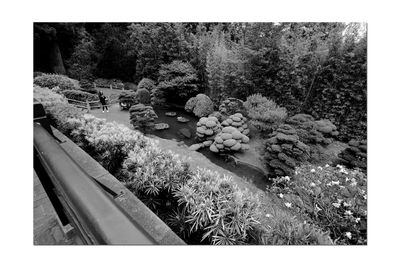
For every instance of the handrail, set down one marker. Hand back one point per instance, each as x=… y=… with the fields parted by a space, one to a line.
x=96 y=215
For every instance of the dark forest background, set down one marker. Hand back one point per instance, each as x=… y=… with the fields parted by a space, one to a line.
x=315 y=68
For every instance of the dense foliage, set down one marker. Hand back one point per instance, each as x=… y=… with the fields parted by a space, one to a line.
x=178 y=81
x=315 y=68
x=80 y=95
x=54 y=80
x=334 y=198
x=203 y=207
x=264 y=113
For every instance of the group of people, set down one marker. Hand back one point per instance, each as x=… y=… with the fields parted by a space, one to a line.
x=103 y=100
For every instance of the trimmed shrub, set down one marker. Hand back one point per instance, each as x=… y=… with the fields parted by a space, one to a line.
x=284 y=151
x=52 y=80
x=143 y=96
x=201 y=105
x=147 y=84
x=178 y=81
x=47 y=97
x=79 y=95
x=231 y=106
x=355 y=156
x=264 y=113
x=142 y=117
x=334 y=198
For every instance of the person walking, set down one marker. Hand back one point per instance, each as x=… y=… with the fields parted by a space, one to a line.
x=103 y=101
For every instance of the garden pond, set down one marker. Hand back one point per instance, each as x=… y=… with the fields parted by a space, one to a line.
x=185 y=132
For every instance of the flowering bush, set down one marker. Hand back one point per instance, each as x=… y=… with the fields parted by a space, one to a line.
x=52 y=80
x=264 y=113
x=334 y=198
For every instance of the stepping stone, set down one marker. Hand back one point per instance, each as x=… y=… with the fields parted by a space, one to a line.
x=185 y=132
x=182 y=119
x=161 y=126
x=170 y=114
x=195 y=147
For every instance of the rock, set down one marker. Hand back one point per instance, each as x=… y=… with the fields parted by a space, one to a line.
x=195 y=147
x=185 y=132
x=170 y=114
x=182 y=119
x=161 y=126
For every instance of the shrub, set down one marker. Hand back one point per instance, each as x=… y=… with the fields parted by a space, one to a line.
x=142 y=117
x=334 y=198
x=47 y=97
x=143 y=95
x=178 y=81
x=37 y=74
x=52 y=80
x=355 y=156
x=201 y=105
x=284 y=151
x=147 y=84
x=284 y=230
x=110 y=143
x=79 y=95
x=130 y=86
x=265 y=113
x=231 y=106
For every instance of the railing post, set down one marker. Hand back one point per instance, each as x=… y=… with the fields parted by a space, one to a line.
x=88 y=105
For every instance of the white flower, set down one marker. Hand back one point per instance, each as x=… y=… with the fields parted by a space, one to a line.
x=336 y=205
x=340 y=200
x=317 y=208
x=335 y=182
x=357 y=220
x=312 y=184
x=348 y=212
x=312 y=170
x=329 y=184
x=346 y=204
x=288 y=204
x=348 y=235
x=280 y=195
x=268 y=215
x=327 y=165
x=319 y=168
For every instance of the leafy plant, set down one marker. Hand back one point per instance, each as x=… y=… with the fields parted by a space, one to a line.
x=334 y=198
x=264 y=113
x=56 y=80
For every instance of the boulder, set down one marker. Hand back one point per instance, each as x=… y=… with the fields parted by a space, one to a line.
x=195 y=147
x=170 y=114
x=182 y=119
x=161 y=126
x=185 y=132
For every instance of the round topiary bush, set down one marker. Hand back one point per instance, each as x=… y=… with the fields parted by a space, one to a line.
x=147 y=84
x=201 y=105
x=230 y=139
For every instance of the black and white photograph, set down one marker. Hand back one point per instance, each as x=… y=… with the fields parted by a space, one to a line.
x=206 y=133
x=199 y=133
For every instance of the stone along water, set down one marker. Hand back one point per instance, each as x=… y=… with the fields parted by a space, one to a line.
x=186 y=132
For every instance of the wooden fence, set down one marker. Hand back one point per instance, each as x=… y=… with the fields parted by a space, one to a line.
x=89 y=105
